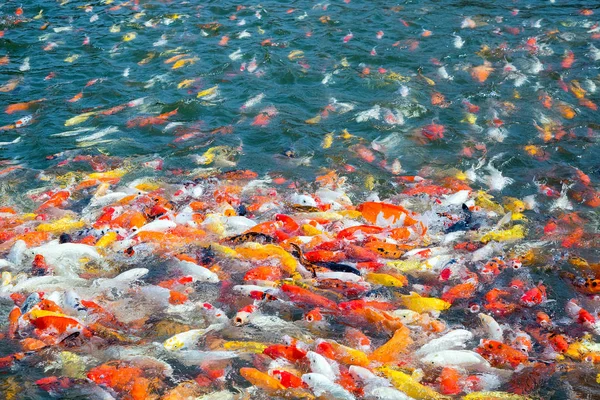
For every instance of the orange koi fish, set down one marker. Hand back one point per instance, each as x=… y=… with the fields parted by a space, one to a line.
x=482 y=72
x=500 y=354
x=13 y=108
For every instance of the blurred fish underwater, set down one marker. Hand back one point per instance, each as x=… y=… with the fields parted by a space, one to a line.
x=340 y=200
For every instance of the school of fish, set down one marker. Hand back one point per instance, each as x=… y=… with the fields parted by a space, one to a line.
x=350 y=263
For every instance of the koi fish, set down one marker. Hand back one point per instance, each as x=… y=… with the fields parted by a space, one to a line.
x=12 y=108
x=500 y=354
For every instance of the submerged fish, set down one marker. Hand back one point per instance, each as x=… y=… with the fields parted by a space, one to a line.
x=301 y=215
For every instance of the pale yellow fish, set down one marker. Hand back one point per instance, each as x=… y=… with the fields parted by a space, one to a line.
x=147 y=186
x=129 y=36
x=6 y=278
x=370 y=182
x=405 y=265
x=148 y=58
x=65 y=224
x=330 y=215
x=245 y=347
x=345 y=134
x=513 y=204
x=515 y=233
x=310 y=230
x=494 y=396
x=223 y=250
x=394 y=76
x=580 y=349
x=577 y=351
x=415 y=302
x=72 y=58
x=295 y=54
x=37 y=313
x=106 y=240
x=429 y=81
x=484 y=200
x=176 y=50
x=383 y=279
x=207 y=92
x=68 y=179
x=461 y=175
x=213 y=224
x=577 y=90
x=518 y=217
x=314 y=120
x=183 y=62
x=115 y=29
x=112 y=174
x=186 y=83
x=102 y=189
x=327 y=140
x=405 y=383
x=210 y=154
x=73 y=366
x=352 y=214
x=470 y=118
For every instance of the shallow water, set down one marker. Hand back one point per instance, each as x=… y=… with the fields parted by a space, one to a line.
x=300 y=86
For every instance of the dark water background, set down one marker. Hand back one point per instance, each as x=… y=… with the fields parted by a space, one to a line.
x=297 y=93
